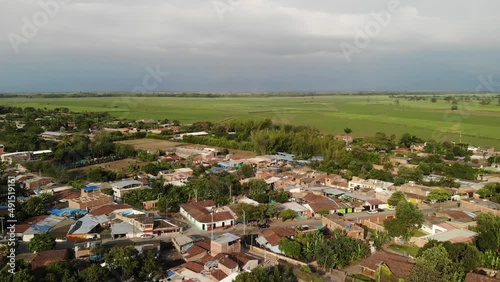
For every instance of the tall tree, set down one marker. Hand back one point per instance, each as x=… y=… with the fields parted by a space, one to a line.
x=395 y=198
x=433 y=266
x=42 y=242
x=409 y=218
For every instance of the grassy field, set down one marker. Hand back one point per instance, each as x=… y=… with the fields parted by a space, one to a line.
x=116 y=166
x=412 y=250
x=151 y=144
x=365 y=115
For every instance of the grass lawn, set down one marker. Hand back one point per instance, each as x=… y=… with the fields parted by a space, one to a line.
x=361 y=277
x=365 y=115
x=409 y=249
x=420 y=233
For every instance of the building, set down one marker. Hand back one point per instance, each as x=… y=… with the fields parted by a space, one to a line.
x=398 y=265
x=84 y=249
x=335 y=222
x=270 y=238
x=45 y=258
x=195 y=134
x=120 y=188
x=226 y=243
x=87 y=227
x=298 y=208
x=52 y=135
x=359 y=183
x=205 y=216
x=453 y=236
x=90 y=198
x=37 y=182
x=41 y=227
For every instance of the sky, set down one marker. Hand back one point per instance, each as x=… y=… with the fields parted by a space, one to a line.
x=248 y=45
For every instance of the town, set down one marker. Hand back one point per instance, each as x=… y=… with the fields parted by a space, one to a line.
x=103 y=199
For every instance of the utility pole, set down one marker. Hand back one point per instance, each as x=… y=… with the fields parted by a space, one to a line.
x=244 y=223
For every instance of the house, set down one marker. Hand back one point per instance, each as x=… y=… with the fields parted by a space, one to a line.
x=205 y=216
x=61 y=229
x=346 y=138
x=414 y=192
x=318 y=205
x=120 y=188
x=108 y=209
x=42 y=227
x=46 y=258
x=270 y=238
x=37 y=182
x=454 y=236
x=194 y=134
x=298 y=208
x=335 y=222
x=84 y=249
x=226 y=243
x=359 y=183
x=398 y=265
x=90 y=197
x=87 y=227
x=52 y=135
x=182 y=243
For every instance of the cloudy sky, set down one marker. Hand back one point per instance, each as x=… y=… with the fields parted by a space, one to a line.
x=248 y=45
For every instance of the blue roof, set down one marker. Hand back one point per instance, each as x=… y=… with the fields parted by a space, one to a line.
x=91 y=188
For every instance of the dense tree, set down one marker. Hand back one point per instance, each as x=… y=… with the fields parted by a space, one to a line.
x=340 y=250
x=290 y=248
x=490 y=191
x=124 y=259
x=488 y=227
x=395 y=198
x=433 y=266
x=287 y=214
x=347 y=130
x=61 y=272
x=94 y=273
x=42 y=242
x=409 y=218
x=439 y=195
x=278 y=273
x=246 y=171
x=149 y=265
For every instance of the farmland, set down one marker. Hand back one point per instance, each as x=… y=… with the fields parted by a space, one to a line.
x=365 y=115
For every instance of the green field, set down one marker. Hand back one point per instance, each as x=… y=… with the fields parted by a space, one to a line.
x=365 y=115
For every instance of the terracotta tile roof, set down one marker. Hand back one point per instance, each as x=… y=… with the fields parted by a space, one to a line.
x=317 y=207
x=193 y=266
x=107 y=209
x=474 y=277
x=66 y=194
x=20 y=228
x=198 y=210
x=228 y=262
x=194 y=251
x=313 y=198
x=399 y=265
x=242 y=258
x=46 y=258
x=273 y=235
x=457 y=215
x=219 y=274
x=205 y=244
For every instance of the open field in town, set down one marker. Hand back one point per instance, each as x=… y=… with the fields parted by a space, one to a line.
x=155 y=144
x=365 y=115
x=150 y=144
x=116 y=166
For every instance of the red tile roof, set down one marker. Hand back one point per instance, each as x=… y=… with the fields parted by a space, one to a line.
x=198 y=210
x=399 y=265
x=273 y=235
x=219 y=274
x=107 y=209
x=228 y=262
x=193 y=266
x=46 y=258
x=194 y=251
